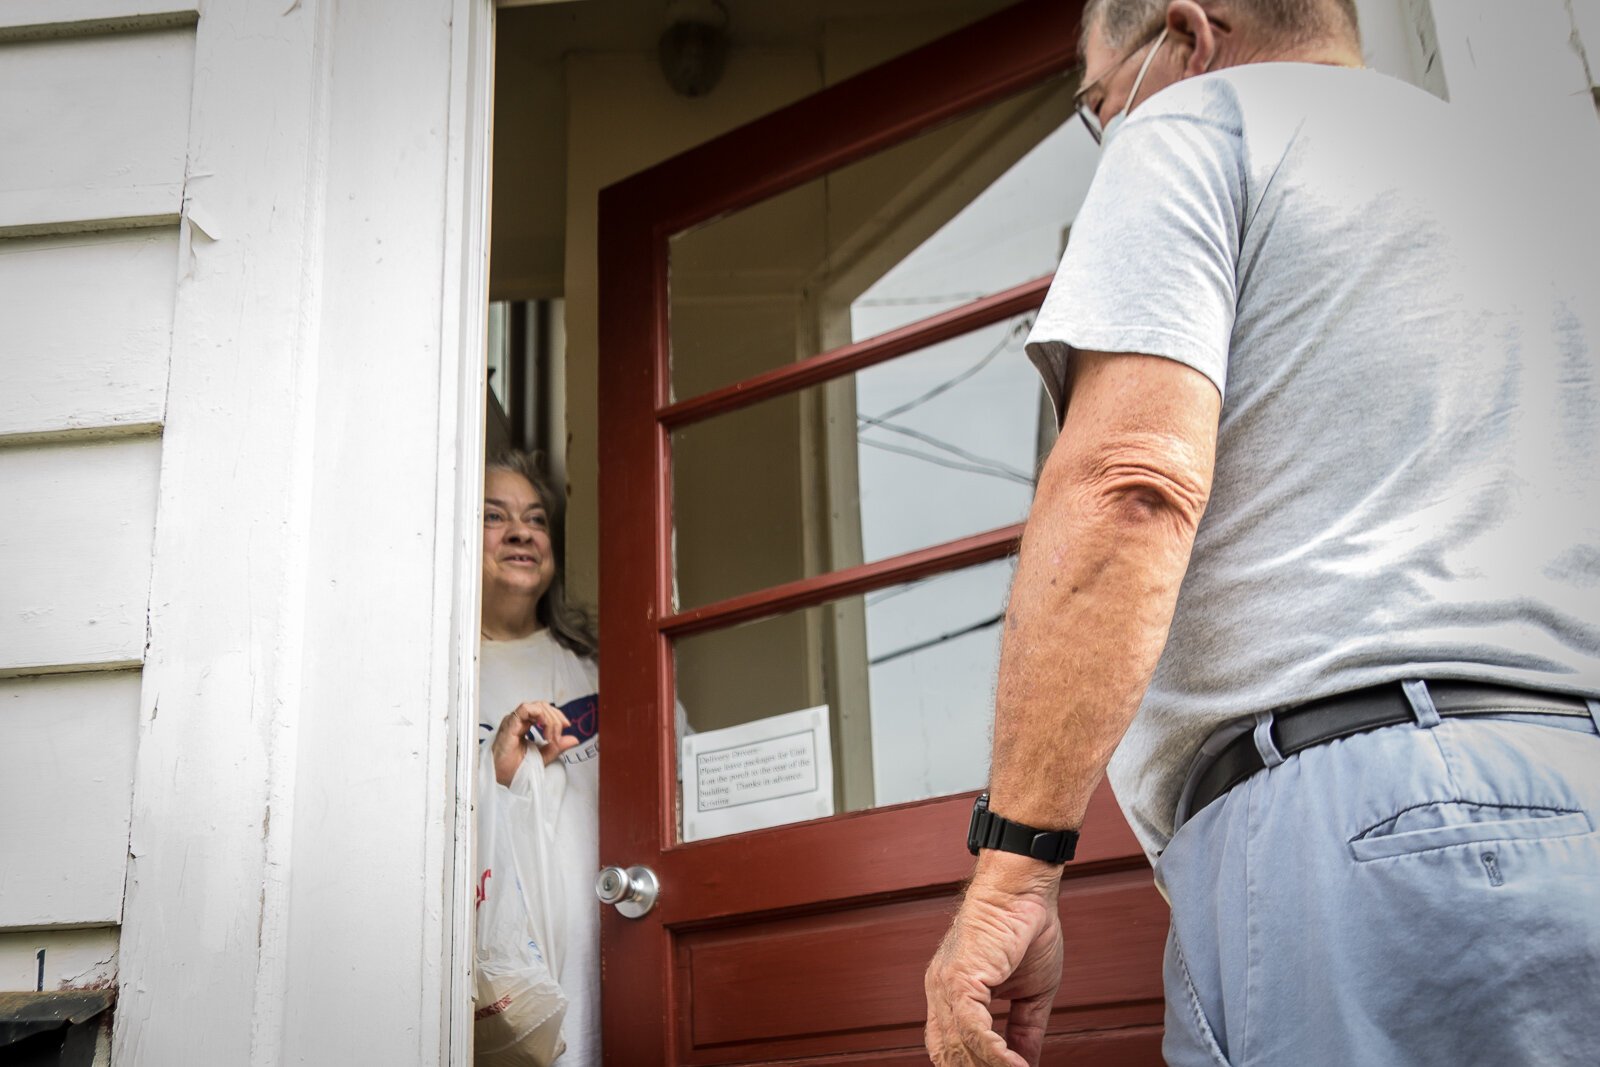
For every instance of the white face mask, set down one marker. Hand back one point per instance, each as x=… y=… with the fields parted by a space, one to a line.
x=1115 y=122
x=1112 y=127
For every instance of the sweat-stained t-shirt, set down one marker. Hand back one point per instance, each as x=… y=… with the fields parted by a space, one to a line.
x=1401 y=313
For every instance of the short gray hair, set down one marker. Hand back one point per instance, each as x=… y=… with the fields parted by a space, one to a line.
x=1289 y=21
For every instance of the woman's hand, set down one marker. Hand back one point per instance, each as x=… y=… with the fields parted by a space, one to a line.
x=511 y=740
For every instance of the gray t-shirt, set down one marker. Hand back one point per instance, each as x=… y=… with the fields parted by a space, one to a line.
x=1400 y=313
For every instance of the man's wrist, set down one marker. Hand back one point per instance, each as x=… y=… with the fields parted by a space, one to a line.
x=1009 y=874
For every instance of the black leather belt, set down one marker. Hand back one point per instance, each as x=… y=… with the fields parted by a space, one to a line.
x=1299 y=728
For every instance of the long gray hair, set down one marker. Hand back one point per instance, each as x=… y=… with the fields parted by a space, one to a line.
x=570 y=624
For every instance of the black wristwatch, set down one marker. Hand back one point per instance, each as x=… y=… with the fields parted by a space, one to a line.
x=988 y=830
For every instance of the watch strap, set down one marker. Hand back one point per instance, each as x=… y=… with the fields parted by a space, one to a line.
x=991 y=831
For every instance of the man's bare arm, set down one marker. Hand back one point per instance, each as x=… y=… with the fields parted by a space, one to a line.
x=1103 y=556
x=1104 y=553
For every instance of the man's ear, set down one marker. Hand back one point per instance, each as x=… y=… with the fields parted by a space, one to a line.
x=1188 y=26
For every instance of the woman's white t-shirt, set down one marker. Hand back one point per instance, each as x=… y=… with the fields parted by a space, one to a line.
x=539 y=668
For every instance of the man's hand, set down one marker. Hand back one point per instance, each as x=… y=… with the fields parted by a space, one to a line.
x=511 y=742
x=1005 y=944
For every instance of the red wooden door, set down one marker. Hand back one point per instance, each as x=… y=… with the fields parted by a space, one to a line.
x=804 y=942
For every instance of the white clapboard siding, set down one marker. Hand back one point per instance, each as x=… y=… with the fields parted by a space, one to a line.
x=87 y=330
x=66 y=790
x=73 y=959
x=94 y=128
x=77 y=524
x=58 y=18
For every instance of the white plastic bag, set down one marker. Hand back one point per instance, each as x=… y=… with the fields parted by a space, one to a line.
x=519 y=1007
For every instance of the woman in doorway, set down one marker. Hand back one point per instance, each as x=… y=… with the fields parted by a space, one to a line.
x=538 y=679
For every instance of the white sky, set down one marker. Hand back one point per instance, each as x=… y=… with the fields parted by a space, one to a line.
x=931 y=709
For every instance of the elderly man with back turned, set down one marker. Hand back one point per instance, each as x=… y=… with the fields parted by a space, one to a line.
x=1328 y=362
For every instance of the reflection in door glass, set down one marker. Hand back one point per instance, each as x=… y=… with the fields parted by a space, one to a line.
x=903 y=678
x=934 y=446
x=973 y=207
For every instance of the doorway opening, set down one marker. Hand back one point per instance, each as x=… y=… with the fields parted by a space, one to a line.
x=526 y=407
x=845 y=435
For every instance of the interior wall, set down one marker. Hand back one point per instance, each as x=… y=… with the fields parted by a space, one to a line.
x=622 y=117
x=527 y=252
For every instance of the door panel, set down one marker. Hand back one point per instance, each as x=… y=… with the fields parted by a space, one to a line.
x=1131 y=1046
x=852 y=978
x=809 y=939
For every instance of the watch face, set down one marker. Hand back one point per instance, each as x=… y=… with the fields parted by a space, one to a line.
x=980 y=808
x=988 y=830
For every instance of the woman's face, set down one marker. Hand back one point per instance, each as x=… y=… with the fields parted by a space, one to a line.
x=518 y=559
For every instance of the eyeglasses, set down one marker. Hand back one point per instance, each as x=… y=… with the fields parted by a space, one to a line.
x=1090 y=112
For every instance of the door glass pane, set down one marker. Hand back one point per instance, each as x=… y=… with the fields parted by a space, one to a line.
x=973 y=207
x=928 y=448
x=903 y=679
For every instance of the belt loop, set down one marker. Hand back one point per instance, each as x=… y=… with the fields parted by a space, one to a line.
x=1264 y=743
x=1594 y=713
x=1421 y=702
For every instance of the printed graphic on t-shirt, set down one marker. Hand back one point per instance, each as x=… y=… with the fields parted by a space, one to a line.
x=584 y=714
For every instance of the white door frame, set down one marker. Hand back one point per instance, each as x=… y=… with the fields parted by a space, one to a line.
x=300 y=880
x=467 y=245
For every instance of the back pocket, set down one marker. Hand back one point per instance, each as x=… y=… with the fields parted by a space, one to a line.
x=1459 y=822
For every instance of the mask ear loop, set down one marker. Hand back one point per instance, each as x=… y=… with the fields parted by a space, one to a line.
x=1144 y=68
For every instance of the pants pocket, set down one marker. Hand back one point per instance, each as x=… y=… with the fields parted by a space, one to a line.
x=1456 y=822
x=1189 y=1040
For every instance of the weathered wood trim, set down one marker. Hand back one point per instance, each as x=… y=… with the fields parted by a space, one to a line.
x=293 y=794
x=38 y=20
x=463 y=389
x=47 y=670
x=90 y=224
x=83 y=958
x=67 y=433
